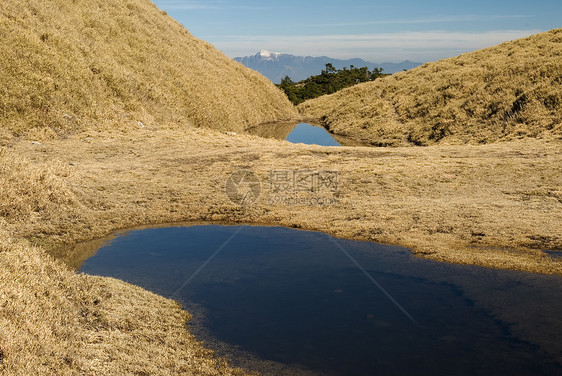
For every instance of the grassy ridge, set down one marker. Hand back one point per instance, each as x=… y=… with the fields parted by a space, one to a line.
x=74 y=65
x=510 y=91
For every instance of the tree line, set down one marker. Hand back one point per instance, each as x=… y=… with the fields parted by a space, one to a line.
x=328 y=82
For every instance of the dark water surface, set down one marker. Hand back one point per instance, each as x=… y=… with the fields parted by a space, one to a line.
x=294 y=302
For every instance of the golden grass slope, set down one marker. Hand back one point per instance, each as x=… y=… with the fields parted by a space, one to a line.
x=510 y=91
x=74 y=65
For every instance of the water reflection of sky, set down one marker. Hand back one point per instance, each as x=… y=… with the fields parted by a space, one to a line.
x=311 y=135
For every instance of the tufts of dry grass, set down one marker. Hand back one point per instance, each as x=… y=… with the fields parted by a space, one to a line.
x=31 y=193
x=55 y=322
x=72 y=65
x=510 y=91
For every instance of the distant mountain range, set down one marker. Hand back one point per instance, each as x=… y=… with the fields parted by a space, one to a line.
x=276 y=66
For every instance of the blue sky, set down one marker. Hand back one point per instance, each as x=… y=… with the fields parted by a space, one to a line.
x=373 y=30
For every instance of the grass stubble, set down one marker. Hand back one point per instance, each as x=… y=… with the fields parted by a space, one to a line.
x=122 y=146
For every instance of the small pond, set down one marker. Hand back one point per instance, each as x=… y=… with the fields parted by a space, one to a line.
x=291 y=302
x=311 y=135
x=302 y=133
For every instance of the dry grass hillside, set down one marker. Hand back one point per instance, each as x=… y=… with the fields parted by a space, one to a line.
x=510 y=91
x=75 y=65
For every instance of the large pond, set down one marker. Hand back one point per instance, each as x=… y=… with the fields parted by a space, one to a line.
x=292 y=302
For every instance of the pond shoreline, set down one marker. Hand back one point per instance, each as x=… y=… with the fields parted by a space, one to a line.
x=448 y=219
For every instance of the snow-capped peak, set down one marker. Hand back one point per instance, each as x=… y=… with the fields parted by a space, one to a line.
x=268 y=55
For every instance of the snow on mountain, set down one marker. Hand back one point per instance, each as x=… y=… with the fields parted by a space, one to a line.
x=268 y=55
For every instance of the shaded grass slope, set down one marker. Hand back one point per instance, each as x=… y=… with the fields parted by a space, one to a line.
x=72 y=65
x=510 y=91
